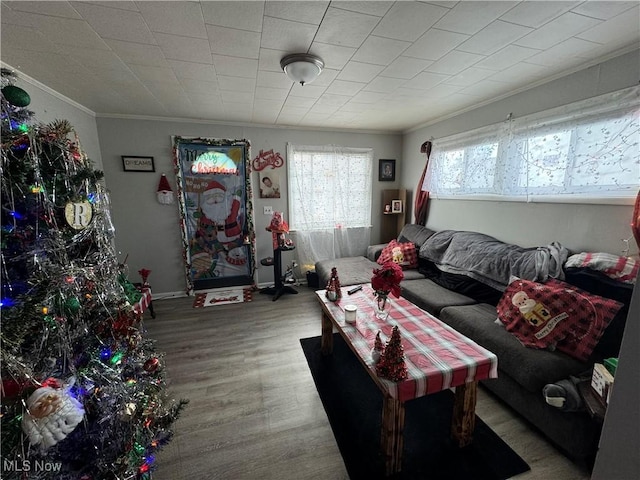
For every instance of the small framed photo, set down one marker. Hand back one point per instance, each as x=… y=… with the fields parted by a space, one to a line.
x=396 y=206
x=386 y=170
x=132 y=163
x=269 y=184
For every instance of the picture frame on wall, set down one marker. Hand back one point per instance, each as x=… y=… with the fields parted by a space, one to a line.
x=133 y=163
x=386 y=170
x=396 y=206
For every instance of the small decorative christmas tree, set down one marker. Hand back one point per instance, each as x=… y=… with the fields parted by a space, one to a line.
x=333 y=288
x=391 y=365
x=378 y=348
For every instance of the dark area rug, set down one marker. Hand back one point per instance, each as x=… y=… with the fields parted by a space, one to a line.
x=353 y=404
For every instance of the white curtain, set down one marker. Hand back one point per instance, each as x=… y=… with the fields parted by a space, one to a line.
x=329 y=201
x=584 y=150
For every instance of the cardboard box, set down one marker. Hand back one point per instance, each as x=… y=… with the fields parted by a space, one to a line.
x=601 y=382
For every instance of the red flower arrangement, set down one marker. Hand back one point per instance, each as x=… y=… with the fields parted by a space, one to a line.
x=387 y=278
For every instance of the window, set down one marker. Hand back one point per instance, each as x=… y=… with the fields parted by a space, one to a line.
x=329 y=187
x=586 y=150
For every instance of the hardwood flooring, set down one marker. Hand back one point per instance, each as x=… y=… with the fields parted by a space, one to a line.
x=254 y=412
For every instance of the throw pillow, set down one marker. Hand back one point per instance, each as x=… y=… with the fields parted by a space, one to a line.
x=555 y=315
x=623 y=269
x=404 y=254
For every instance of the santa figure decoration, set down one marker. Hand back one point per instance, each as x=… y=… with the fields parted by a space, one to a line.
x=164 y=193
x=220 y=215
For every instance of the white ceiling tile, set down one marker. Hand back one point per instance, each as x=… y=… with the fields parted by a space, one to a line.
x=310 y=91
x=409 y=20
x=193 y=71
x=334 y=56
x=188 y=49
x=192 y=85
x=270 y=59
x=240 y=15
x=236 y=84
x=426 y=80
x=285 y=35
x=115 y=23
x=520 y=73
x=377 y=8
x=235 y=67
x=267 y=93
x=610 y=30
x=273 y=80
x=138 y=53
x=121 y=4
x=379 y=50
x=176 y=18
x=435 y=44
x=484 y=89
x=536 y=13
x=36 y=43
x=557 y=30
x=471 y=17
x=603 y=10
x=68 y=32
x=359 y=72
x=9 y=16
x=572 y=47
x=265 y=116
x=299 y=102
x=368 y=97
x=162 y=89
x=508 y=56
x=261 y=104
x=405 y=67
x=341 y=87
x=454 y=62
x=470 y=76
x=440 y=91
x=230 y=41
x=384 y=84
x=333 y=99
x=348 y=29
x=305 y=12
x=104 y=59
x=326 y=77
x=147 y=73
x=55 y=9
x=493 y=37
x=236 y=96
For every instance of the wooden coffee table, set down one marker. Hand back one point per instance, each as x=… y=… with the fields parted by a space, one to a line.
x=436 y=355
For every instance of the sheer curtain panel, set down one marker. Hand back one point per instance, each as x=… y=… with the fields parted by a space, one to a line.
x=329 y=201
x=587 y=151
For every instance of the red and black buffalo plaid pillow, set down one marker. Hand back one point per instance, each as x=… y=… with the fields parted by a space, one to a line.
x=555 y=315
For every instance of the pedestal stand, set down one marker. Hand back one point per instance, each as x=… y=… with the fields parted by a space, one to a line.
x=278 y=247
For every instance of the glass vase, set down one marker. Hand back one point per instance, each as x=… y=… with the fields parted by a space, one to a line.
x=381 y=306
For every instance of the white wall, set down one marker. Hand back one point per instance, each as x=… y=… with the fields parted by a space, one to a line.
x=49 y=105
x=150 y=233
x=578 y=227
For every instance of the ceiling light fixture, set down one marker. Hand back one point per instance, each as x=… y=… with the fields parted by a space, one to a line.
x=302 y=67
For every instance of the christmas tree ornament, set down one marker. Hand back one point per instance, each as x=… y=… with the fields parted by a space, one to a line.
x=51 y=415
x=165 y=194
x=378 y=348
x=78 y=214
x=152 y=365
x=333 y=291
x=16 y=96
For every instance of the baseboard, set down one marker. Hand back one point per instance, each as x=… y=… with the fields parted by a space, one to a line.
x=168 y=295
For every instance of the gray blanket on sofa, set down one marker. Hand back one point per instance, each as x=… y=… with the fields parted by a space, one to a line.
x=491 y=261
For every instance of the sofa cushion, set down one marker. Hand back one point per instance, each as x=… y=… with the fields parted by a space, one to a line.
x=404 y=254
x=556 y=314
x=351 y=270
x=531 y=368
x=417 y=234
x=430 y=296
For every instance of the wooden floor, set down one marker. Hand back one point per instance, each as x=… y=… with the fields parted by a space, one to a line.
x=254 y=412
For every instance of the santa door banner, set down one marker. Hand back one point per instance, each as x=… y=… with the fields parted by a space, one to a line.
x=216 y=212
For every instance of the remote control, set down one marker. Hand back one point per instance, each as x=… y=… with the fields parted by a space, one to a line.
x=354 y=290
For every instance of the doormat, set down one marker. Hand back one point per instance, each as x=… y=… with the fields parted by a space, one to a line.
x=222 y=296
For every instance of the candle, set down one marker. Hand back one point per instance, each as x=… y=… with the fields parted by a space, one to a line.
x=350 y=313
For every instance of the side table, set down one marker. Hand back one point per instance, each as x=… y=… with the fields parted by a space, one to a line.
x=279 y=288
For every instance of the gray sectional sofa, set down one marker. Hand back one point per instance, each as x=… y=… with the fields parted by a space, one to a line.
x=466 y=300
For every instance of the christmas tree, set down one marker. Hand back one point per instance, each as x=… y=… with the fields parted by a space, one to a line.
x=392 y=365
x=333 y=285
x=83 y=392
